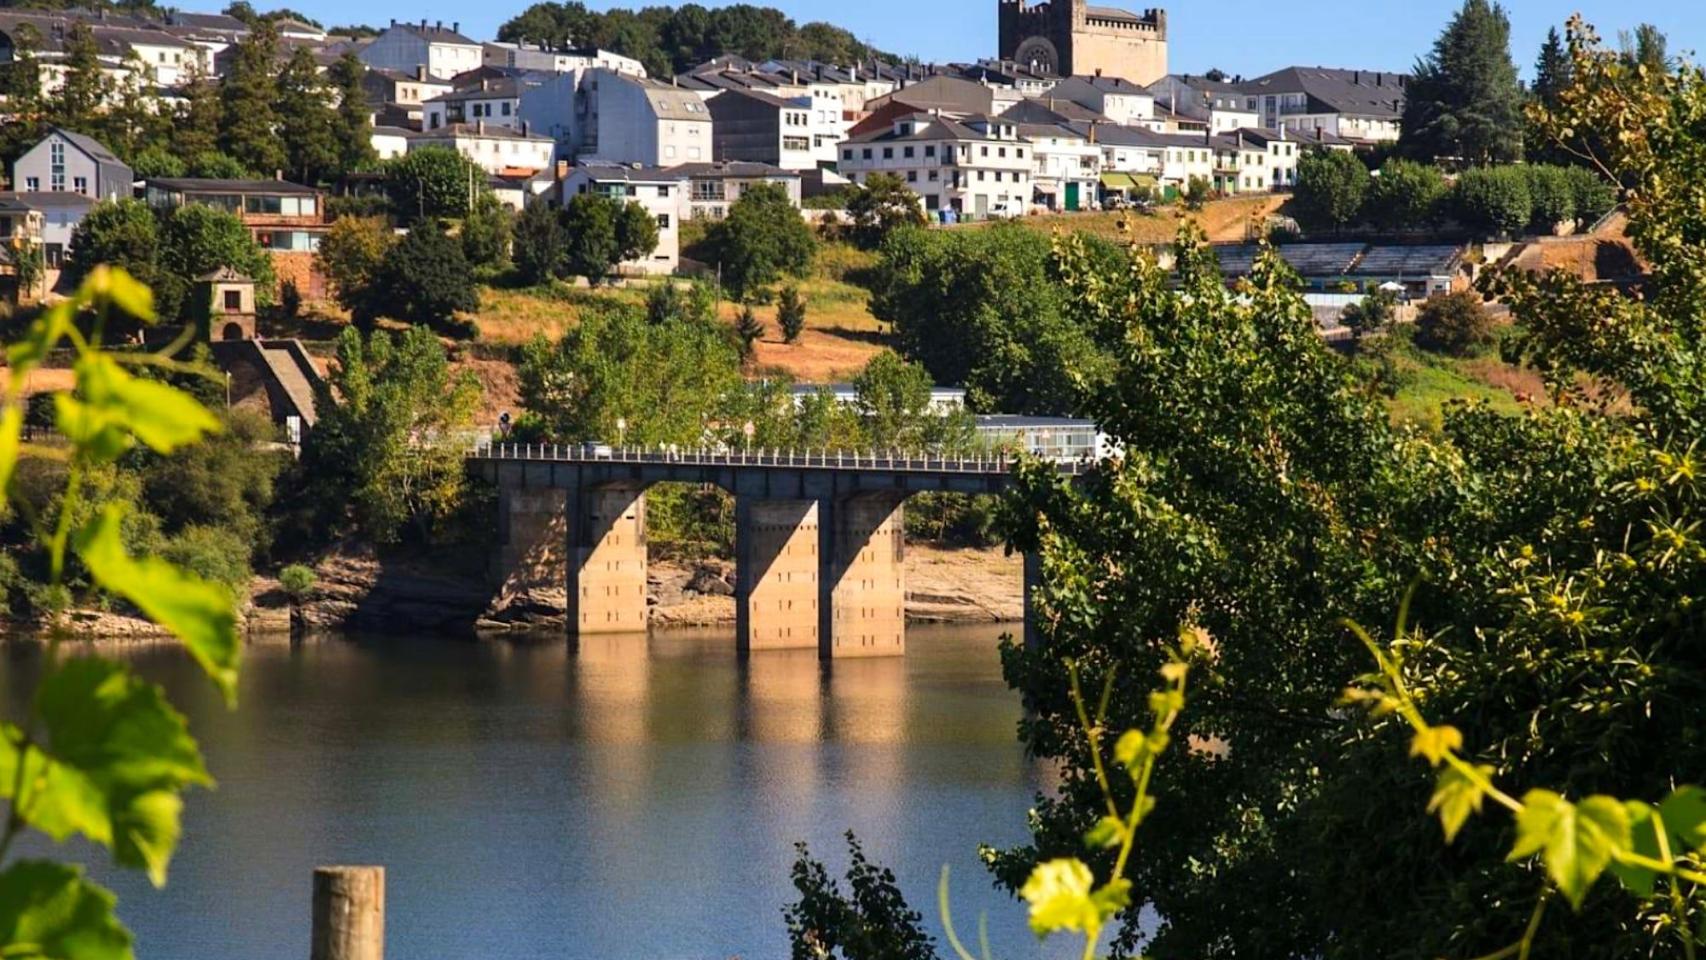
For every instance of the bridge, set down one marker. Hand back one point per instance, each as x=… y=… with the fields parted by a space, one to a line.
x=819 y=536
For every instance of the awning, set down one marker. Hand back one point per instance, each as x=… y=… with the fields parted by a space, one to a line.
x=1118 y=181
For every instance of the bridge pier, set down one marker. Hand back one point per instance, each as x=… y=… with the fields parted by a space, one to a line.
x=607 y=554
x=866 y=577
x=779 y=546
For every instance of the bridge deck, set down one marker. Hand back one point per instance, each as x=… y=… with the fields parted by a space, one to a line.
x=986 y=465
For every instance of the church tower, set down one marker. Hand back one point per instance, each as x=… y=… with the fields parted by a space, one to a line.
x=1071 y=37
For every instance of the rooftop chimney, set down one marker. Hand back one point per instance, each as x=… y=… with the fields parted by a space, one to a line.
x=423 y=23
x=420 y=72
x=455 y=26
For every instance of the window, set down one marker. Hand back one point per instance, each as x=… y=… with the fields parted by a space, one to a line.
x=866 y=153
x=906 y=152
x=633 y=191
x=912 y=176
x=692 y=153
x=888 y=153
x=980 y=176
x=506 y=108
x=934 y=174
x=1001 y=151
x=233 y=301
x=663 y=221
x=663 y=190
x=930 y=151
x=846 y=154
x=1019 y=152
x=985 y=151
x=32 y=184
x=80 y=185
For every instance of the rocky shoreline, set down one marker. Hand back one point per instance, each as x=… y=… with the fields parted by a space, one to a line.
x=357 y=590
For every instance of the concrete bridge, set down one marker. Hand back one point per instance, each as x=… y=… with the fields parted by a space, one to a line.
x=819 y=537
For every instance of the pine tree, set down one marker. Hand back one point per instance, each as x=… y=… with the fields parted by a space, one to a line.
x=306 y=122
x=748 y=329
x=131 y=122
x=1553 y=71
x=195 y=124
x=354 y=127
x=247 y=123
x=791 y=313
x=20 y=85
x=80 y=97
x=1465 y=100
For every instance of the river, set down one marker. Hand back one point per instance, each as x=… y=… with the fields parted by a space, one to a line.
x=628 y=799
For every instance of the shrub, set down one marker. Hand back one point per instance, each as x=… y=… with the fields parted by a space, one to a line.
x=1197 y=193
x=1493 y=200
x=1405 y=194
x=1594 y=195
x=212 y=553
x=297 y=582
x=1456 y=323
x=748 y=329
x=1375 y=312
x=424 y=279
x=1331 y=186
x=290 y=298
x=1551 y=196
x=791 y=313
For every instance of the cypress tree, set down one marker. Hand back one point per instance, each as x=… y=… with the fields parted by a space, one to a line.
x=306 y=122
x=1553 y=71
x=195 y=124
x=248 y=124
x=353 y=128
x=85 y=88
x=1465 y=100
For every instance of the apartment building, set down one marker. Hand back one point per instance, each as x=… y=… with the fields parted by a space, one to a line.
x=407 y=47
x=495 y=101
x=493 y=147
x=761 y=128
x=1067 y=168
x=522 y=56
x=1121 y=101
x=714 y=187
x=977 y=166
x=1361 y=106
x=287 y=220
x=661 y=192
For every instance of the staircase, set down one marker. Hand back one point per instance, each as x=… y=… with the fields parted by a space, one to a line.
x=293 y=373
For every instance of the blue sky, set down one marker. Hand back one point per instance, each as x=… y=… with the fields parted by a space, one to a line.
x=1247 y=37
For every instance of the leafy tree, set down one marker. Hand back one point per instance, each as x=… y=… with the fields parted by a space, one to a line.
x=226 y=483
x=893 y=400
x=1551 y=196
x=1376 y=312
x=1198 y=192
x=663 y=379
x=156 y=161
x=1647 y=47
x=668 y=301
x=1405 y=195
x=121 y=233
x=350 y=256
x=424 y=279
x=85 y=87
x=791 y=313
x=762 y=238
x=882 y=205
x=307 y=123
x=1454 y=323
x=748 y=329
x=20 y=86
x=217 y=166
x=589 y=225
x=485 y=233
x=384 y=459
x=1593 y=195
x=196 y=240
x=636 y=233
x=1464 y=99
x=130 y=118
x=1331 y=185
x=870 y=922
x=1493 y=200
x=541 y=244
x=248 y=122
x=297 y=581
x=352 y=125
x=196 y=123
x=433 y=182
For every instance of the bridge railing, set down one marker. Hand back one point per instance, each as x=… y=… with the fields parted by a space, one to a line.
x=712 y=457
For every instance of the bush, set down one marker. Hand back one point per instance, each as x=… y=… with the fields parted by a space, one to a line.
x=748 y=329
x=1551 y=196
x=883 y=205
x=297 y=581
x=1375 y=312
x=869 y=922
x=1198 y=192
x=1406 y=194
x=1493 y=200
x=1594 y=196
x=1331 y=185
x=1456 y=323
x=791 y=313
x=212 y=553
x=425 y=279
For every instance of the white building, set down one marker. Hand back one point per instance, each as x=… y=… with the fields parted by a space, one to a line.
x=1068 y=167
x=1362 y=106
x=391 y=142
x=978 y=167
x=661 y=192
x=569 y=60
x=495 y=149
x=407 y=47
x=1283 y=151
x=712 y=188
x=495 y=101
x=605 y=115
x=1121 y=101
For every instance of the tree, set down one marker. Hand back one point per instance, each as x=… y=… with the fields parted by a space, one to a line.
x=156 y=161
x=668 y=302
x=1464 y=99
x=1551 y=197
x=214 y=165
x=762 y=238
x=195 y=240
x=541 y=244
x=85 y=86
x=433 y=182
x=195 y=125
x=125 y=234
x=307 y=124
x=1331 y=185
x=872 y=922
x=1454 y=323
x=1493 y=200
x=247 y=119
x=791 y=313
x=130 y=118
x=893 y=400
x=748 y=329
x=1198 y=192
x=1552 y=70
x=385 y=458
x=486 y=232
x=350 y=255
x=589 y=226
x=1374 y=313
x=352 y=127
x=1594 y=196
x=1647 y=47
x=226 y=482
x=636 y=233
x=1405 y=195
x=883 y=204
x=424 y=279
x=20 y=86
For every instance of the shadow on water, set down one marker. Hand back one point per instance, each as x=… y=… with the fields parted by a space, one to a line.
x=629 y=797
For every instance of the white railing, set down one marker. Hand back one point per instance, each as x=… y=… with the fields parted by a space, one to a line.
x=980 y=463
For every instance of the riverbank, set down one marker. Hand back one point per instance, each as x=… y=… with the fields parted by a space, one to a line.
x=441 y=594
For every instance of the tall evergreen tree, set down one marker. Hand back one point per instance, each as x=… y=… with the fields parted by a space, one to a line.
x=1552 y=72
x=1465 y=100
x=248 y=125
x=1647 y=47
x=195 y=123
x=20 y=85
x=131 y=121
x=353 y=127
x=84 y=91
x=307 y=124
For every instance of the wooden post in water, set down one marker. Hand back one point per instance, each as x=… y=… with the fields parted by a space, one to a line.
x=349 y=914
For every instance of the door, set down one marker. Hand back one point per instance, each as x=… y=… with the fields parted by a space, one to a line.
x=1072 y=196
x=981 y=205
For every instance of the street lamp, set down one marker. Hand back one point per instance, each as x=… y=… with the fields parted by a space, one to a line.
x=748 y=430
x=621 y=431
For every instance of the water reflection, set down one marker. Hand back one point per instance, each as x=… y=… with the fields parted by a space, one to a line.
x=624 y=797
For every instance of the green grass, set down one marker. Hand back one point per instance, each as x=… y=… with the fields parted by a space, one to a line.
x=1432 y=381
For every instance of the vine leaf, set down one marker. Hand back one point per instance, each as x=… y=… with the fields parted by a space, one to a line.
x=1456 y=796
x=162 y=417
x=11 y=435
x=1059 y=894
x=49 y=912
x=1575 y=841
x=114 y=758
x=1684 y=814
x=199 y=613
x=1108 y=832
x=1435 y=742
x=1643 y=840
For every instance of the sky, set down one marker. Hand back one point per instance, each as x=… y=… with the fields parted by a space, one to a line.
x=1246 y=37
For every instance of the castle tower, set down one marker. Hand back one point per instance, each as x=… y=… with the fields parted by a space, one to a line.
x=1070 y=37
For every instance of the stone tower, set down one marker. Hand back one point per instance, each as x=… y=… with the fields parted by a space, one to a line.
x=1073 y=38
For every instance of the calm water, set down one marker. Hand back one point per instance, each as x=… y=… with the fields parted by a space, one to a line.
x=630 y=799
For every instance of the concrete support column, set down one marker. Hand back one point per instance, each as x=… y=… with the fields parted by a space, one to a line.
x=607 y=592
x=867 y=578
x=532 y=562
x=777 y=574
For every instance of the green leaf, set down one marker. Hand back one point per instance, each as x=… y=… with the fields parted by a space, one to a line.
x=1059 y=894
x=11 y=435
x=44 y=334
x=49 y=912
x=1113 y=898
x=1684 y=814
x=1130 y=748
x=1456 y=796
x=162 y=417
x=1575 y=842
x=115 y=756
x=90 y=429
x=199 y=613
x=1435 y=742
x=1108 y=832
x=113 y=285
x=1644 y=841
